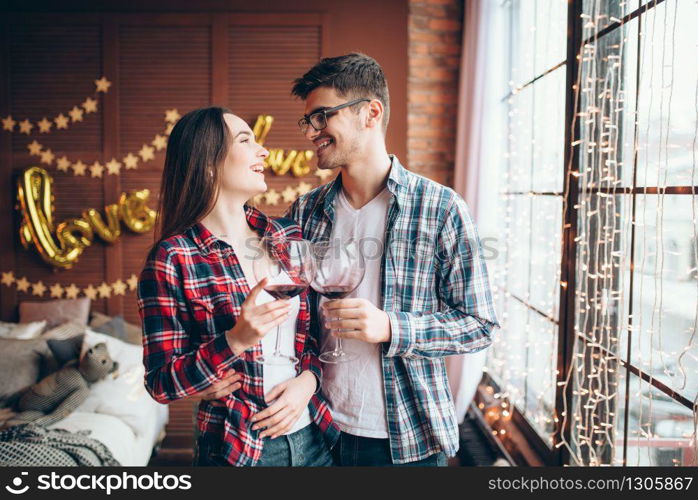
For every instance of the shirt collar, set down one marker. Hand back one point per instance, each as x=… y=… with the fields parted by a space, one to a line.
x=397 y=185
x=208 y=243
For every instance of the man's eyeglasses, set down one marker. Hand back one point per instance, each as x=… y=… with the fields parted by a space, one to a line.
x=318 y=120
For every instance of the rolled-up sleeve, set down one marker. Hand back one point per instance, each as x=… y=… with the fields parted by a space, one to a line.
x=174 y=367
x=467 y=318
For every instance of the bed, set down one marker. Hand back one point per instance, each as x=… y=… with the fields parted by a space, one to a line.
x=119 y=412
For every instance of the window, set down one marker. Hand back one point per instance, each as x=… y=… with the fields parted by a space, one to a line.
x=590 y=200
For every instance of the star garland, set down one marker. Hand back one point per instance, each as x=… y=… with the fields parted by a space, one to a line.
x=58 y=291
x=289 y=194
x=113 y=166
x=89 y=105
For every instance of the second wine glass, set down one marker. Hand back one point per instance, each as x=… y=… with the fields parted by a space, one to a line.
x=340 y=269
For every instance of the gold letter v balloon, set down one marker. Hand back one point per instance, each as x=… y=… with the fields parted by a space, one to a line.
x=61 y=245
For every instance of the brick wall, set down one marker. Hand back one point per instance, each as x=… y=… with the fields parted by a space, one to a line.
x=434 y=37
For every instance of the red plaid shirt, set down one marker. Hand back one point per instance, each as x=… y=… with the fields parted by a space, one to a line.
x=189 y=294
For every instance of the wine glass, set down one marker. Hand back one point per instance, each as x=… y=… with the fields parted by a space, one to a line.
x=289 y=267
x=340 y=268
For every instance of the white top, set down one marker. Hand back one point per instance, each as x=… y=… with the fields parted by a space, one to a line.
x=272 y=374
x=355 y=388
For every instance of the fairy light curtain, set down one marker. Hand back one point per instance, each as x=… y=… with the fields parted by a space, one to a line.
x=622 y=387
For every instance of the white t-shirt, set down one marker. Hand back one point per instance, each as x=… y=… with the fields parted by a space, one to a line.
x=274 y=375
x=355 y=388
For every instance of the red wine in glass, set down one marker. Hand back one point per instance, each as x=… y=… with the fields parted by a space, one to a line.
x=336 y=292
x=285 y=291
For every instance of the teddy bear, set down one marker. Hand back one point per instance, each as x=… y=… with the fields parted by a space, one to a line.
x=57 y=395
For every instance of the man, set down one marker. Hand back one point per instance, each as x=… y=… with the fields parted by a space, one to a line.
x=425 y=294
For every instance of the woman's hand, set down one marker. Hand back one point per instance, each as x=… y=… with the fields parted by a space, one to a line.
x=228 y=384
x=256 y=321
x=290 y=399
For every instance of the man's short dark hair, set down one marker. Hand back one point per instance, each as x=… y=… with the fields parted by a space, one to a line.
x=352 y=75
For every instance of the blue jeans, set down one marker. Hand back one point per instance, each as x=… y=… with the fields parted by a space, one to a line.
x=360 y=451
x=303 y=448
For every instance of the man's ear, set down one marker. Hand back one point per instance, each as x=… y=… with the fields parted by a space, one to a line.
x=375 y=113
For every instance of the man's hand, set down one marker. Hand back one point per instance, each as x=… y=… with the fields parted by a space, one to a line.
x=357 y=319
x=288 y=400
x=229 y=383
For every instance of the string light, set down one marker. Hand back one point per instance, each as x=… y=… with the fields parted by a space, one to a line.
x=523 y=358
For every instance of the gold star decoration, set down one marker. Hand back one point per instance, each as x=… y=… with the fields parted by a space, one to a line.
x=56 y=291
x=146 y=152
x=104 y=290
x=22 y=284
x=288 y=194
x=8 y=278
x=38 y=288
x=25 y=127
x=119 y=287
x=272 y=197
x=96 y=170
x=169 y=128
x=257 y=200
x=90 y=105
x=113 y=167
x=47 y=157
x=172 y=115
x=103 y=84
x=130 y=161
x=71 y=292
x=63 y=164
x=303 y=188
x=76 y=114
x=159 y=142
x=34 y=148
x=132 y=282
x=44 y=125
x=79 y=168
x=8 y=123
x=323 y=173
x=90 y=292
x=61 y=121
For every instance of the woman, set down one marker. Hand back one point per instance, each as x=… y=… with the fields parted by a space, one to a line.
x=204 y=318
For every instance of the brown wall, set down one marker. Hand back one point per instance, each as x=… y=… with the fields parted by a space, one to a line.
x=242 y=55
x=435 y=39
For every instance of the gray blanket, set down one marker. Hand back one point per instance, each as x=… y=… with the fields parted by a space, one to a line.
x=34 y=445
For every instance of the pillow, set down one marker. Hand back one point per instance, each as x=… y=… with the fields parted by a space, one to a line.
x=123 y=396
x=55 y=312
x=132 y=334
x=126 y=354
x=64 y=331
x=23 y=331
x=98 y=319
x=66 y=350
x=115 y=327
x=22 y=363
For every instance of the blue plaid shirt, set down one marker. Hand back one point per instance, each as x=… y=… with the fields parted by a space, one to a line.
x=436 y=293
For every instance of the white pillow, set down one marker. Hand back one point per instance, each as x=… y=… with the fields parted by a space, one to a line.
x=123 y=396
x=127 y=355
x=22 y=331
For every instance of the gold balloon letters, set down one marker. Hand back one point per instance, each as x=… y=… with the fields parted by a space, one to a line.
x=74 y=235
x=279 y=160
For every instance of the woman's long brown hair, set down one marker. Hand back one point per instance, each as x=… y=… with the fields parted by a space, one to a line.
x=196 y=150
